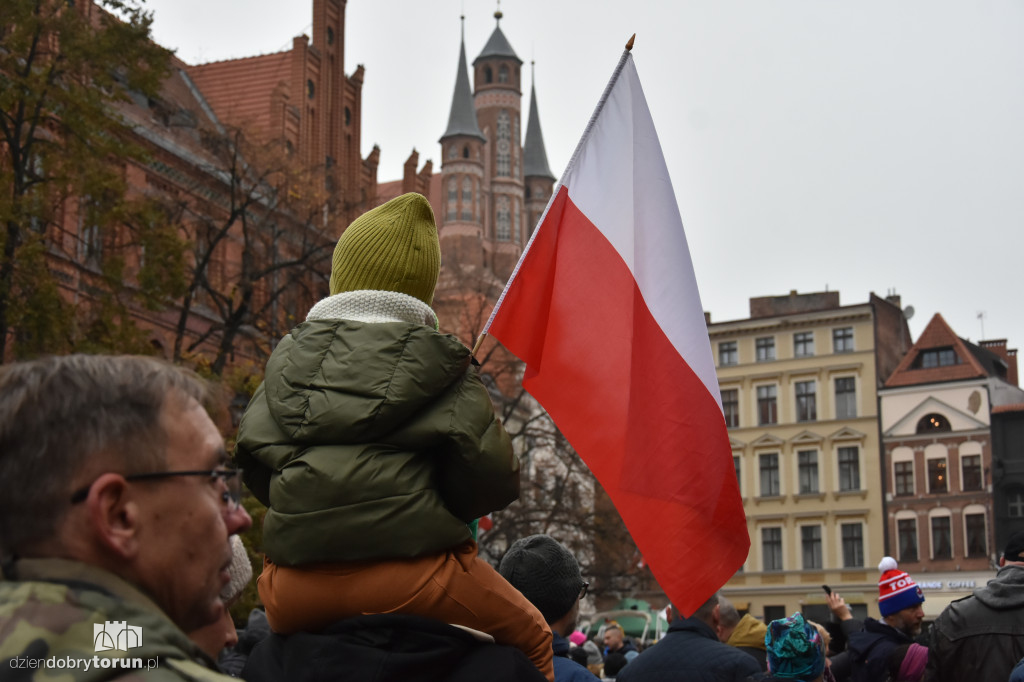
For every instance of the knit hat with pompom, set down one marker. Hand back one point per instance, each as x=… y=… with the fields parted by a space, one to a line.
x=896 y=589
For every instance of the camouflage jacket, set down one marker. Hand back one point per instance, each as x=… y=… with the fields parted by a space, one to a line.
x=68 y=621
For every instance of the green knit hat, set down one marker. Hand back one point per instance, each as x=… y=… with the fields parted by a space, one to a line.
x=393 y=247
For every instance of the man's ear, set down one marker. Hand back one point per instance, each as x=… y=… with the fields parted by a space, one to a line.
x=716 y=617
x=114 y=515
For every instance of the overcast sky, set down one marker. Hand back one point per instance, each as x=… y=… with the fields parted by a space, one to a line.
x=851 y=146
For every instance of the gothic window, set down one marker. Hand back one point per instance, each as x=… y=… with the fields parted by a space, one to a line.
x=504 y=144
x=452 y=152
x=503 y=74
x=515 y=236
x=503 y=227
x=467 y=199
x=488 y=75
x=515 y=147
x=465 y=152
x=452 y=198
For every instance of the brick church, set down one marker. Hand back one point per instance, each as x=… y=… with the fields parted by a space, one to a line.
x=491 y=190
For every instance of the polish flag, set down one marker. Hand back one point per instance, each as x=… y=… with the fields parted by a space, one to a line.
x=604 y=311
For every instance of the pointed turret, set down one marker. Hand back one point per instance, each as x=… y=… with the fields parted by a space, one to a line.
x=497 y=45
x=462 y=119
x=535 y=158
x=538 y=181
x=461 y=216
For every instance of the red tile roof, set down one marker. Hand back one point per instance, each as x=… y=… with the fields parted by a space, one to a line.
x=937 y=334
x=241 y=90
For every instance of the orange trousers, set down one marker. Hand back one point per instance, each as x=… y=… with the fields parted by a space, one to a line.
x=455 y=587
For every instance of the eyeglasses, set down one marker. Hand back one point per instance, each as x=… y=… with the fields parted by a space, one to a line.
x=583 y=592
x=229 y=477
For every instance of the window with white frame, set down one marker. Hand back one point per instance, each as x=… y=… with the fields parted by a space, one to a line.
x=807 y=466
x=849 y=468
x=803 y=344
x=903 y=471
x=942 y=534
x=975 y=534
x=806 y=401
x=842 y=340
x=765 y=348
x=771 y=549
x=906 y=535
x=728 y=354
x=769 y=469
x=731 y=407
x=767 y=405
x=938 y=477
x=1015 y=504
x=810 y=545
x=846 y=397
x=971 y=475
x=853 y=544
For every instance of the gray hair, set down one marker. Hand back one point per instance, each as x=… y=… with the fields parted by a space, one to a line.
x=58 y=415
x=703 y=614
x=728 y=616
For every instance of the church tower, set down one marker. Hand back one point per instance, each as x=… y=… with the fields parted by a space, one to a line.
x=497 y=97
x=463 y=148
x=538 y=181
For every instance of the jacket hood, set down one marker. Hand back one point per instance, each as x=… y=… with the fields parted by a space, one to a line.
x=749 y=632
x=344 y=381
x=1005 y=591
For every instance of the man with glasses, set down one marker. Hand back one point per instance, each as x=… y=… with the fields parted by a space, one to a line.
x=116 y=504
x=549 y=576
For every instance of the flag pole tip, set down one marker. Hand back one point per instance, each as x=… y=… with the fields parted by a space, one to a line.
x=629 y=43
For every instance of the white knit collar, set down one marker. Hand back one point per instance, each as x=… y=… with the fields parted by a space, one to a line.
x=367 y=305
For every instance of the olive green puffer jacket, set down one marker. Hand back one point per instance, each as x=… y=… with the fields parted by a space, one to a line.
x=372 y=441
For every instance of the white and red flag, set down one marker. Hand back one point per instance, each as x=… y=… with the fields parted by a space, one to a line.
x=604 y=311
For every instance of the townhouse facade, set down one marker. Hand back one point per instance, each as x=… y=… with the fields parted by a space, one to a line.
x=799 y=382
x=937 y=412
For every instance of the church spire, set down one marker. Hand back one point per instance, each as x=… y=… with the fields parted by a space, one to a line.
x=535 y=158
x=462 y=119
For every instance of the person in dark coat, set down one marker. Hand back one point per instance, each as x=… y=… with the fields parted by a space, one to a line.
x=982 y=636
x=386 y=648
x=691 y=651
x=548 y=575
x=899 y=601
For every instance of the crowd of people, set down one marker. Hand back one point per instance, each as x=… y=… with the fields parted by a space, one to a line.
x=374 y=445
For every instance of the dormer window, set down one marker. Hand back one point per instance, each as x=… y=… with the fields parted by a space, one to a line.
x=936 y=357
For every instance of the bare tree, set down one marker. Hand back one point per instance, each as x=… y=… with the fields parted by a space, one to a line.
x=259 y=245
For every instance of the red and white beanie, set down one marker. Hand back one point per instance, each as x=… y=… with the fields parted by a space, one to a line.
x=896 y=589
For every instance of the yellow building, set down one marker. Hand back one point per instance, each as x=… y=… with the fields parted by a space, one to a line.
x=799 y=383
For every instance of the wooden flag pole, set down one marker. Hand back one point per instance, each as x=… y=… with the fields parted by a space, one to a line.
x=479 y=341
x=629 y=43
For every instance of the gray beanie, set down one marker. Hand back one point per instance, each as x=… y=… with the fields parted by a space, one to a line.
x=545 y=572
